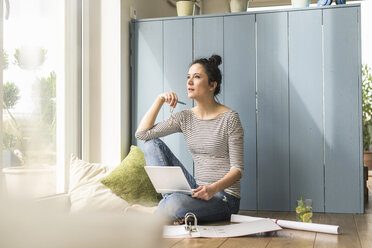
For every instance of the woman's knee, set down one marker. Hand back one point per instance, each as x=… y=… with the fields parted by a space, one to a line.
x=151 y=144
x=175 y=205
x=155 y=152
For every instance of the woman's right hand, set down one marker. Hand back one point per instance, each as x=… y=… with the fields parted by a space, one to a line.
x=170 y=98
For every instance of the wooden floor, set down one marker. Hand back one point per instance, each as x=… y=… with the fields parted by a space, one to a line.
x=356 y=231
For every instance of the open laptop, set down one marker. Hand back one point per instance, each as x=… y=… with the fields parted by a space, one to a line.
x=168 y=179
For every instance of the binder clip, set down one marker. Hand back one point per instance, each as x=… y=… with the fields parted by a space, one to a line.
x=191 y=222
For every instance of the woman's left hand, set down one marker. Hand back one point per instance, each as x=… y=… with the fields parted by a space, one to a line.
x=205 y=192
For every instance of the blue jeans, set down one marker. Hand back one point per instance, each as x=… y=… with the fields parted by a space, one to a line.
x=176 y=205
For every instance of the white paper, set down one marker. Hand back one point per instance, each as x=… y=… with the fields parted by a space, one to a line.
x=333 y=229
x=224 y=231
x=178 y=232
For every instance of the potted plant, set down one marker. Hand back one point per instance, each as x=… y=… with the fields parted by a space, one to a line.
x=238 y=5
x=12 y=135
x=30 y=58
x=300 y=3
x=185 y=7
x=24 y=176
x=367 y=114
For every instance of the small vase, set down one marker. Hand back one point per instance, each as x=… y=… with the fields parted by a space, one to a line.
x=238 y=5
x=185 y=8
x=300 y=3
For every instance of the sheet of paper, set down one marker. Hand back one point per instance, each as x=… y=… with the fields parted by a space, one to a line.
x=241 y=229
x=333 y=229
x=178 y=232
x=232 y=230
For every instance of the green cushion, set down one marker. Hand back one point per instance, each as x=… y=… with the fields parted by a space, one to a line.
x=130 y=181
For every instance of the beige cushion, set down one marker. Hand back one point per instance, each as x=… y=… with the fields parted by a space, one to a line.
x=86 y=191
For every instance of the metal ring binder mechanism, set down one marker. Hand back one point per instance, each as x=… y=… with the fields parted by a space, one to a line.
x=188 y=223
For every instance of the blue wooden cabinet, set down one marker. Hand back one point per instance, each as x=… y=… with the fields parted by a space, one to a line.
x=293 y=75
x=177 y=57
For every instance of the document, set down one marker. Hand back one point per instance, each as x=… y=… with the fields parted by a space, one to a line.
x=223 y=231
x=332 y=229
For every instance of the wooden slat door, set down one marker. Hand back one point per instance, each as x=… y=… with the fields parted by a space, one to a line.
x=273 y=114
x=177 y=58
x=208 y=40
x=240 y=94
x=148 y=71
x=306 y=107
x=343 y=165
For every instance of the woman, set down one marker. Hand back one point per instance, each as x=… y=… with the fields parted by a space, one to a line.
x=214 y=136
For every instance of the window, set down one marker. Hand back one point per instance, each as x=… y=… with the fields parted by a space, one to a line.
x=41 y=94
x=366 y=21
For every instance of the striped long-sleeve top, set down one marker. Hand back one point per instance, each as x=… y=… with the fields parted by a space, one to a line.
x=216 y=145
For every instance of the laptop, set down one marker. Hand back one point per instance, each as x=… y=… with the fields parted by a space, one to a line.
x=168 y=179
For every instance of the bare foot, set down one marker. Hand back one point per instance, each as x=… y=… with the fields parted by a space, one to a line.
x=141 y=209
x=180 y=221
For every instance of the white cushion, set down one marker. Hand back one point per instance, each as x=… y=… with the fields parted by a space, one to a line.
x=86 y=191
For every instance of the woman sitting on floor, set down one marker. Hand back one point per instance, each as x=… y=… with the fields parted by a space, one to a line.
x=214 y=136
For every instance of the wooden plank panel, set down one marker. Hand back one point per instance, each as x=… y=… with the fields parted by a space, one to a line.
x=169 y=242
x=248 y=212
x=200 y=242
x=240 y=94
x=306 y=107
x=273 y=117
x=148 y=70
x=364 y=227
x=343 y=166
x=292 y=238
x=250 y=241
x=361 y=106
x=177 y=58
x=208 y=40
x=347 y=238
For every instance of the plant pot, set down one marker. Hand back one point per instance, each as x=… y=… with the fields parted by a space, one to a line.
x=185 y=8
x=30 y=181
x=30 y=58
x=300 y=3
x=10 y=160
x=238 y=5
x=367 y=157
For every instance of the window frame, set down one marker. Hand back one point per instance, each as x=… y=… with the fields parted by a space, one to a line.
x=68 y=109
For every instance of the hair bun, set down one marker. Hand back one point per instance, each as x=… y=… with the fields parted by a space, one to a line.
x=215 y=59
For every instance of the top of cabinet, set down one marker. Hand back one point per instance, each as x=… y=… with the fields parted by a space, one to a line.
x=250 y=12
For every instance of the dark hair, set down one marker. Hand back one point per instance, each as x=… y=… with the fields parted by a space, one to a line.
x=211 y=68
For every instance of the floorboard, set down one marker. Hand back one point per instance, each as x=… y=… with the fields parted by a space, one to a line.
x=167 y=243
x=348 y=237
x=251 y=242
x=199 y=242
x=364 y=227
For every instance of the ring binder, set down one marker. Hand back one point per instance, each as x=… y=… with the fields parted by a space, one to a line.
x=188 y=223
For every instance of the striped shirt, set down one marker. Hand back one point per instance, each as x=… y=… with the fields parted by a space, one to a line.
x=216 y=145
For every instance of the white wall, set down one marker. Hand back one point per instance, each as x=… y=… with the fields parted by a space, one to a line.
x=106 y=75
x=366 y=32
